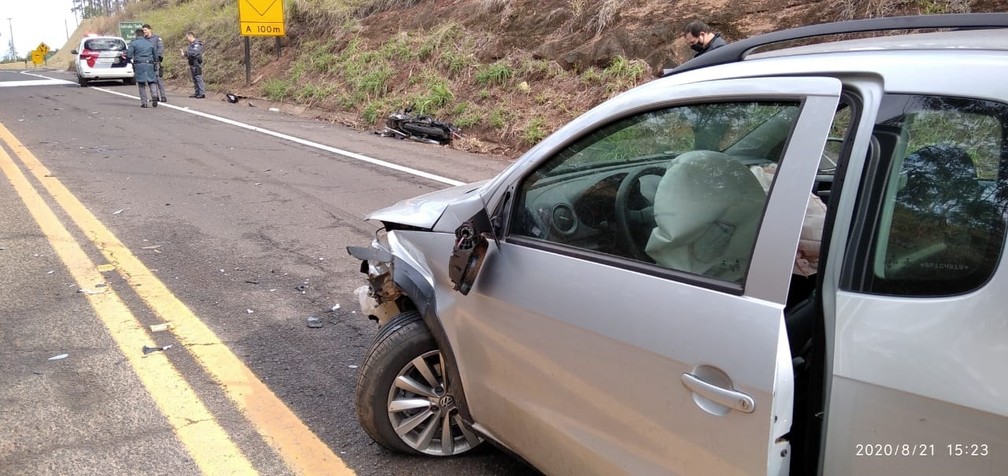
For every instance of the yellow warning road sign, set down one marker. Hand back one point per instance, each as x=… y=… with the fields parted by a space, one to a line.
x=261 y=17
x=37 y=57
x=43 y=48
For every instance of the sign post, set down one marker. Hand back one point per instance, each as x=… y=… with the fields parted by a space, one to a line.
x=259 y=18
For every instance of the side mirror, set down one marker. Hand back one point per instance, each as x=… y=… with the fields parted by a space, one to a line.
x=73 y=52
x=469 y=251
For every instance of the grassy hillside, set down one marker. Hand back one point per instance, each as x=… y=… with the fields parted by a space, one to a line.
x=507 y=72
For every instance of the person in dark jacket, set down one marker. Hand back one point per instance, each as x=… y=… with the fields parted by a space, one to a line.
x=701 y=37
x=159 y=49
x=143 y=54
x=194 y=54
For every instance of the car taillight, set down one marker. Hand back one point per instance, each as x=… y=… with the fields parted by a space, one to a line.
x=90 y=56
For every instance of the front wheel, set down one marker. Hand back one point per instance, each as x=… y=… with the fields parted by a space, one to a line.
x=403 y=400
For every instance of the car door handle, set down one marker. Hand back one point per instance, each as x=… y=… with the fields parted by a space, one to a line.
x=722 y=396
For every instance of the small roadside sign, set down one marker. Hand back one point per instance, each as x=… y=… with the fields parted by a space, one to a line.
x=37 y=57
x=42 y=48
x=261 y=17
x=127 y=29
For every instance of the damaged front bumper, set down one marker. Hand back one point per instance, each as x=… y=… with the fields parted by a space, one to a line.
x=379 y=298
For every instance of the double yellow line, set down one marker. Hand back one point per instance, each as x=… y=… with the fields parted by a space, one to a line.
x=197 y=428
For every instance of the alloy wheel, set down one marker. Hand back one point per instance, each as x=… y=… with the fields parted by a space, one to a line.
x=423 y=411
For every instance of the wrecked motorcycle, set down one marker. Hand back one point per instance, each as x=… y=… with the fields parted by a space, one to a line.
x=406 y=125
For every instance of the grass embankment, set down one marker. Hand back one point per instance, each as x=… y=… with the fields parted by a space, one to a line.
x=328 y=64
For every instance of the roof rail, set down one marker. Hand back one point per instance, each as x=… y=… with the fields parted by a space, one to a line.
x=734 y=52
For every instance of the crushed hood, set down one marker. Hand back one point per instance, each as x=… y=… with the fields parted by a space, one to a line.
x=425 y=210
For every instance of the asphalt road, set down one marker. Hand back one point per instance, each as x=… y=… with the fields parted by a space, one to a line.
x=238 y=236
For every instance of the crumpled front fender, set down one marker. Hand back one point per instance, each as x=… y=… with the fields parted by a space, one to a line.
x=393 y=274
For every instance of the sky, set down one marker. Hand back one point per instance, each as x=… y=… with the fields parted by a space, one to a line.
x=34 y=22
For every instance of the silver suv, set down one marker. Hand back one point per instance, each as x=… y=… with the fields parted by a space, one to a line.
x=784 y=261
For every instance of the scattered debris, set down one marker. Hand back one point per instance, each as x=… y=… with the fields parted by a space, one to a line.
x=302 y=287
x=59 y=357
x=249 y=311
x=149 y=350
x=104 y=268
x=314 y=322
x=335 y=308
x=406 y=125
x=352 y=366
x=252 y=281
x=233 y=98
x=119 y=211
x=50 y=271
x=273 y=109
x=164 y=326
x=150 y=247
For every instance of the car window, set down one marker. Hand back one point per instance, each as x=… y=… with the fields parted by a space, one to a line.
x=678 y=187
x=941 y=199
x=105 y=44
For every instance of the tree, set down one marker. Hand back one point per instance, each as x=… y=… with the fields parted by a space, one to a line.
x=98 y=8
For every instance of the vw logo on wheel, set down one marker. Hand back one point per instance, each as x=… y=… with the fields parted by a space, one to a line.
x=446 y=401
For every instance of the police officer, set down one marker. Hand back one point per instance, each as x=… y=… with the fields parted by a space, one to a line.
x=143 y=54
x=194 y=54
x=159 y=47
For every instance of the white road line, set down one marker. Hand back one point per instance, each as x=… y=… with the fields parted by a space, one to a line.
x=34 y=82
x=298 y=140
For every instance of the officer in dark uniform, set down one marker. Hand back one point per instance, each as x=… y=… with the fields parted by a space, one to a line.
x=143 y=54
x=159 y=47
x=194 y=54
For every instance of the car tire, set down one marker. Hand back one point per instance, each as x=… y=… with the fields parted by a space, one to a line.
x=82 y=82
x=402 y=401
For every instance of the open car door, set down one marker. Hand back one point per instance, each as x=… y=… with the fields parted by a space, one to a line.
x=588 y=345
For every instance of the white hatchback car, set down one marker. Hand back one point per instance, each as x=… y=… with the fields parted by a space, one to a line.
x=777 y=262
x=102 y=58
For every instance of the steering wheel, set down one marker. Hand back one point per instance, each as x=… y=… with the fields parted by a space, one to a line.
x=629 y=220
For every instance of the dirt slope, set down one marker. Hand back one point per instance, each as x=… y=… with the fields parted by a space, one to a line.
x=576 y=36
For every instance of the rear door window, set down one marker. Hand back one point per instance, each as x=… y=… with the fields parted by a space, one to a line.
x=935 y=215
